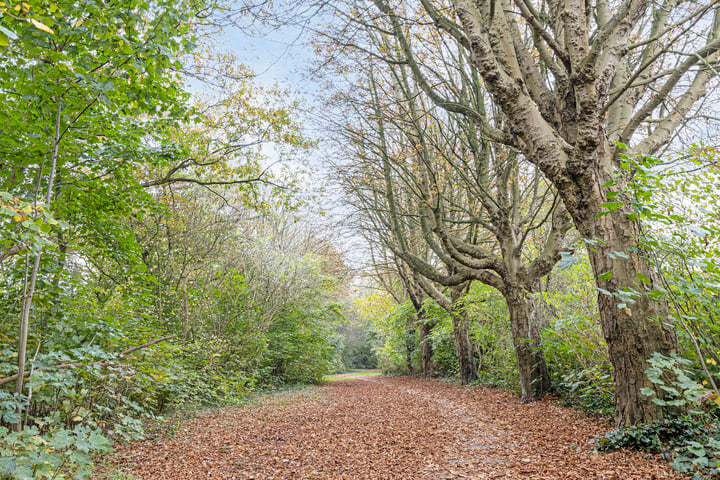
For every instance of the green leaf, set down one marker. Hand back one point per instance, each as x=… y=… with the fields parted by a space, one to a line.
x=61 y=439
x=8 y=33
x=611 y=206
x=648 y=392
x=23 y=473
x=605 y=276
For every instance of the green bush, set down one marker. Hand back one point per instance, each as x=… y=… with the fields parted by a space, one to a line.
x=399 y=341
x=55 y=452
x=443 y=346
x=689 y=439
x=576 y=356
x=489 y=325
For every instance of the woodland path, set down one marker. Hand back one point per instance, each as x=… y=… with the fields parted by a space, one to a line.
x=386 y=428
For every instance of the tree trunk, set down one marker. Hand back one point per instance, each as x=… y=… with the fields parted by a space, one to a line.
x=532 y=368
x=186 y=313
x=409 y=345
x=29 y=288
x=428 y=365
x=463 y=345
x=463 y=348
x=634 y=326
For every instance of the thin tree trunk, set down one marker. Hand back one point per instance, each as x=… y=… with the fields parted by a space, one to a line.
x=29 y=289
x=186 y=314
x=409 y=345
x=463 y=344
x=428 y=365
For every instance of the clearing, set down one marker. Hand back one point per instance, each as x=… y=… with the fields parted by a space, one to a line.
x=372 y=427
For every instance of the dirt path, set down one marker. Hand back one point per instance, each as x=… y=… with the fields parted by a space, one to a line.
x=386 y=428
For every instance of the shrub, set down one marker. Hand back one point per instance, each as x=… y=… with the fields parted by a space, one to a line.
x=576 y=355
x=690 y=439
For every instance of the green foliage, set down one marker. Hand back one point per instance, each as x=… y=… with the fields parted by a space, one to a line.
x=357 y=344
x=399 y=339
x=680 y=205
x=299 y=349
x=572 y=341
x=576 y=355
x=441 y=339
x=691 y=438
x=490 y=333
x=56 y=452
x=195 y=373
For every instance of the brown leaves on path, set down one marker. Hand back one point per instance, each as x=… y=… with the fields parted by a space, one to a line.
x=387 y=428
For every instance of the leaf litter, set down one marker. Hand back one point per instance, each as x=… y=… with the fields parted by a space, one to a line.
x=387 y=428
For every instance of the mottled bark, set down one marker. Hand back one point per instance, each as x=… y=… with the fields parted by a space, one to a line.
x=525 y=324
x=467 y=367
x=634 y=326
x=428 y=364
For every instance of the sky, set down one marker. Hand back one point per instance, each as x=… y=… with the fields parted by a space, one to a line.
x=280 y=57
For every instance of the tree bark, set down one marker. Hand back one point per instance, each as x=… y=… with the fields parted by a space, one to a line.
x=467 y=367
x=634 y=325
x=428 y=365
x=532 y=368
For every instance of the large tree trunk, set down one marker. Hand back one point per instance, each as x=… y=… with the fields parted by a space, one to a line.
x=634 y=326
x=532 y=368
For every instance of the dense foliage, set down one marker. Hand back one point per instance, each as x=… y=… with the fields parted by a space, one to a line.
x=150 y=259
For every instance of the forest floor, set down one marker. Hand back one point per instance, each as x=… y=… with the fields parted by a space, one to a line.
x=371 y=427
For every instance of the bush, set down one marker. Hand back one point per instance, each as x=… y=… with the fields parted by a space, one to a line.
x=576 y=355
x=690 y=439
x=443 y=345
x=490 y=332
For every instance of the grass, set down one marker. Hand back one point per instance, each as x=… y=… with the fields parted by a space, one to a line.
x=345 y=376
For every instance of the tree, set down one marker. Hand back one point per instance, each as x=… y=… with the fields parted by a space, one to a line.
x=472 y=205
x=574 y=82
x=79 y=98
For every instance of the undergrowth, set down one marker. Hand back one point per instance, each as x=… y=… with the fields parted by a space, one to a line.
x=689 y=440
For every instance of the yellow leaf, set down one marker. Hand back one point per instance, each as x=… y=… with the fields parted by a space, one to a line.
x=41 y=26
x=710 y=361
